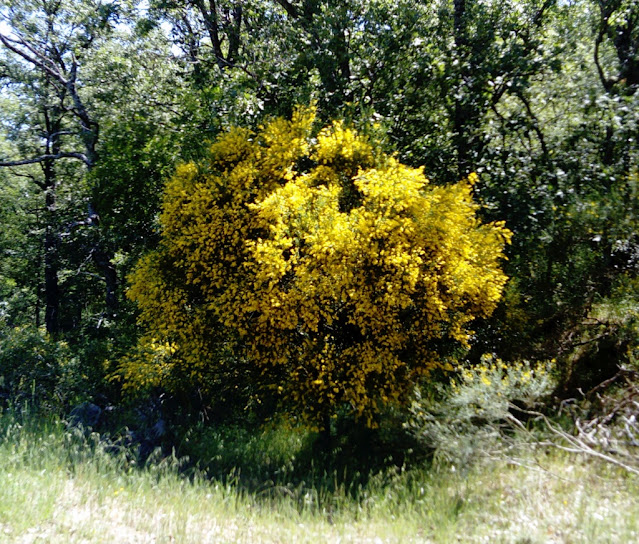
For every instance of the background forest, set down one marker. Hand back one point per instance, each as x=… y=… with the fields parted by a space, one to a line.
x=102 y=101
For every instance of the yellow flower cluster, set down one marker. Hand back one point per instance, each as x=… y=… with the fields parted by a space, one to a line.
x=494 y=378
x=329 y=263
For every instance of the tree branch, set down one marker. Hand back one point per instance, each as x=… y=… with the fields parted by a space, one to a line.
x=535 y=125
x=12 y=45
x=49 y=157
x=290 y=9
x=210 y=18
x=605 y=17
x=538 y=17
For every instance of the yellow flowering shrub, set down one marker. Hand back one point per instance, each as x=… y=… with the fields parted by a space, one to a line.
x=329 y=269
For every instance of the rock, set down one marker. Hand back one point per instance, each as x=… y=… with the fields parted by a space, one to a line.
x=86 y=414
x=158 y=430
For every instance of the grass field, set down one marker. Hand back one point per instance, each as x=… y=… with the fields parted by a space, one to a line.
x=61 y=486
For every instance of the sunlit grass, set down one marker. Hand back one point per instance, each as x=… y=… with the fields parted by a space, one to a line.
x=60 y=486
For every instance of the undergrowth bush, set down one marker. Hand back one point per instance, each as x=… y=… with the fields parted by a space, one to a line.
x=260 y=454
x=475 y=413
x=605 y=341
x=39 y=370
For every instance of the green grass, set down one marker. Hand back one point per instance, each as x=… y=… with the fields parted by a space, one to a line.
x=60 y=486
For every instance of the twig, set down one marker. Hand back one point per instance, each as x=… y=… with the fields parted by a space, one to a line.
x=579 y=446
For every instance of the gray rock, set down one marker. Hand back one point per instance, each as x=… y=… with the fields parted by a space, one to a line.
x=158 y=430
x=86 y=414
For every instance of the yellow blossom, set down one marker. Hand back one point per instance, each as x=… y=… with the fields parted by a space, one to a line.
x=319 y=259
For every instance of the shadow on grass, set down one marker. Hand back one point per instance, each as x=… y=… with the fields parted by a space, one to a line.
x=280 y=461
x=267 y=464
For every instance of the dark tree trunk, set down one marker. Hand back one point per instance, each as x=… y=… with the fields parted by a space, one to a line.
x=51 y=269
x=325 y=439
x=465 y=114
x=103 y=263
x=51 y=237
